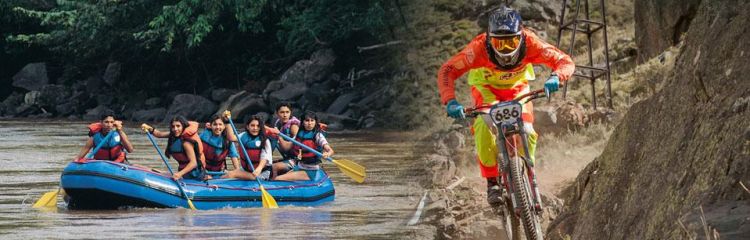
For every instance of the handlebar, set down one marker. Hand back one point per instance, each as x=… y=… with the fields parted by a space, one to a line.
x=539 y=93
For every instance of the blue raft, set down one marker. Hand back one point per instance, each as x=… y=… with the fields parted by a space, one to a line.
x=109 y=185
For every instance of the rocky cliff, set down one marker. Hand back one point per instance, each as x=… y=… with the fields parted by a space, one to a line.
x=672 y=169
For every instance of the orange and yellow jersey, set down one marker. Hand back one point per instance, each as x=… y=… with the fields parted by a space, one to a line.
x=489 y=86
x=474 y=55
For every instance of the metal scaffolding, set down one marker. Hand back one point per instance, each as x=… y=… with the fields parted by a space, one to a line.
x=589 y=71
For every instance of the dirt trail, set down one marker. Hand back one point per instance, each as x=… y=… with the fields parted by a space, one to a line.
x=457 y=203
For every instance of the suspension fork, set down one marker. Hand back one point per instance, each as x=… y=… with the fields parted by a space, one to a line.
x=530 y=165
x=503 y=163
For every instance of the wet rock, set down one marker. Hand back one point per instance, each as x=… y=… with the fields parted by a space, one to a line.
x=26 y=109
x=151 y=115
x=53 y=95
x=95 y=113
x=31 y=77
x=335 y=119
x=191 y=106
x=289 y=93
x=318 y=96
x=341 y=103
x=310 y=71
x=10 y=103
x=65 y=109
x=222 y=94
x=243 y=104
x=112 y=73
x=31 y=97
x=367 y=121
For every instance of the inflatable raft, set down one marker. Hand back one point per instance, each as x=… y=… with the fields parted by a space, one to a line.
x=108 y=185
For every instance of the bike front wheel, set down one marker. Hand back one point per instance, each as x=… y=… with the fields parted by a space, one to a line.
x=529 y=216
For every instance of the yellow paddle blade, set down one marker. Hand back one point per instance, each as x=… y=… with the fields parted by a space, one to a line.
x=190 y=204
x=268 y=201
x=351 y=169
x=49 y=199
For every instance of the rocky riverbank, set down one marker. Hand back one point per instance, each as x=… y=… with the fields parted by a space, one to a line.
x=311 y=84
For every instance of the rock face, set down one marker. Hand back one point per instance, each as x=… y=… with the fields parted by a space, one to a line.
x=191 y=106
x=32 y=77
x=243 y=104
x=686 y=146
x=661 y=23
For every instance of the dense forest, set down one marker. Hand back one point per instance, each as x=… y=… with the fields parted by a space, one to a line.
x=112 y=52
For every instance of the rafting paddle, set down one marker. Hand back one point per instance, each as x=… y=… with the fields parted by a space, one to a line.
x=164 y=159
x=351 y=169
x=49 y=199
x=268 y=201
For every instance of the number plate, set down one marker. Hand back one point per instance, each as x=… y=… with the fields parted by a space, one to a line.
x=506 y=113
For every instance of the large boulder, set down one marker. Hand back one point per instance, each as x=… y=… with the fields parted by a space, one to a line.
x=289 y=93
x=342 y=103
x=31 y=77
x=311 y=70
x=660 y=24
x=95 y=113
x=538 y=10
x=151 y=115
x=222 y=94
x=53 y=95
x=243 y=104
x=191 y=106
x=11 y=102
x=319 y=96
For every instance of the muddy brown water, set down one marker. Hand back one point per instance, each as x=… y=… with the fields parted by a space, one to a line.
x=32 y=156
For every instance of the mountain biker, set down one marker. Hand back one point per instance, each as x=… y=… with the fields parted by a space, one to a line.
x=501 y=62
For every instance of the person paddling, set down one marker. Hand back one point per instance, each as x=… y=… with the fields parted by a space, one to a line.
x=258 y=148
x=184 y=146
x=115 y=148
x=288 y=125
x=218 y=144
x=310 y=135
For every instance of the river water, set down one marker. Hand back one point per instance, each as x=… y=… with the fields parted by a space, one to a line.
x=32 y=156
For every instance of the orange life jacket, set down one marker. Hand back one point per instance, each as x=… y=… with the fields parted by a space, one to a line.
x=111 y=150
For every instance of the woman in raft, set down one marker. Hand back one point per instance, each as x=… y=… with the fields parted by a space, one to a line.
x=218 y=144
x=185 y=146
x=310 y=135
x=258 y=148
x=288 y=125
x=115 y=148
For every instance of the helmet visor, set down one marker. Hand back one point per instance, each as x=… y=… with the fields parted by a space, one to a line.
x=505 y=44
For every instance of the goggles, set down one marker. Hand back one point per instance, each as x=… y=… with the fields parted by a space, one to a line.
x=505 y=44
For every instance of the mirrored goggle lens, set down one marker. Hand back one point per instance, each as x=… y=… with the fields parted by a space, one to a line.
x=505 y=44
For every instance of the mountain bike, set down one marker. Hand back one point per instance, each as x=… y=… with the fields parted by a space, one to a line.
x=522 y=197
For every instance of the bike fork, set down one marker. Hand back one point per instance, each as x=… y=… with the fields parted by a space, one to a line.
x=505 y=167
x=530 y=168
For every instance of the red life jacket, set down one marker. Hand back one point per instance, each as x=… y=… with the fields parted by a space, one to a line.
x=253 y=151
x=112 y=153
x=215 y=162
x=308 y=139
x=189 y=135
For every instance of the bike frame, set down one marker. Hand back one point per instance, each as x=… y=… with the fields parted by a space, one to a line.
x=508 y=137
